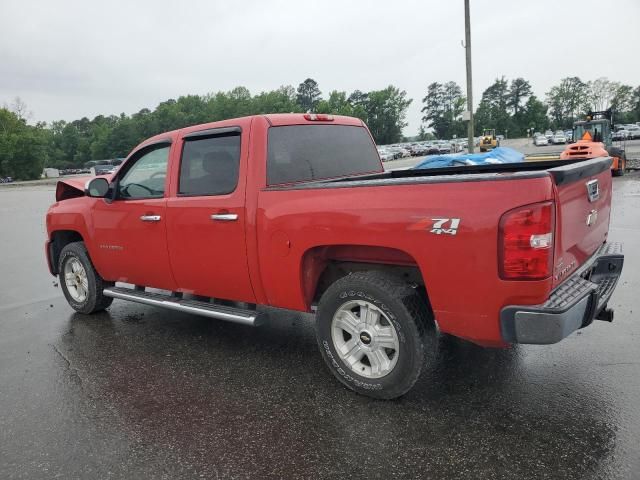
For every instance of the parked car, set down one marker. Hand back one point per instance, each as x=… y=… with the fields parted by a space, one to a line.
x=418 y=149
x=540 y=141
x=6 y=180
x=620 y=135
x=385 y=155
x=559 y=139
x=549 y=135
x=395 y=151
x=633 y=131
x=433 y=149
x=303 y=215
x=404 y=152
x=102 y=169
x=444 y=147
x=568 y=135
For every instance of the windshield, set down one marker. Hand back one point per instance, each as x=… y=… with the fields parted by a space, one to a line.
x=595 y=131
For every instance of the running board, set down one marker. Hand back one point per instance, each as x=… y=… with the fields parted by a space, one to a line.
x=211 y=310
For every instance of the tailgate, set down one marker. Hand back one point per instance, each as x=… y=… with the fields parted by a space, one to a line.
x=583 y=206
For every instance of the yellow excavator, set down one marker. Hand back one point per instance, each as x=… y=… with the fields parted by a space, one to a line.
x=489 y=141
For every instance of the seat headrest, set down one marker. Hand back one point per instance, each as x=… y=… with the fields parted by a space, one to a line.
x=217 y=162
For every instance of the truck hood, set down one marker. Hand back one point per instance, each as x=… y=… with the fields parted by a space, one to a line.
x=71 y=188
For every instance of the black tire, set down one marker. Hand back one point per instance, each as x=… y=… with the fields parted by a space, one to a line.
x=95 y=301
x=408 y=313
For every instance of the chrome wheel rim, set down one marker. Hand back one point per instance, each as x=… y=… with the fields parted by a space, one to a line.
x=365 y=339
x=75 y=278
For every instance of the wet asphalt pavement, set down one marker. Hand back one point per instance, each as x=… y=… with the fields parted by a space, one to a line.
x=138 y=392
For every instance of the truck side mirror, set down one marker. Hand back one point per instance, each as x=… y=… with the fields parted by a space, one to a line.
x=97 y=188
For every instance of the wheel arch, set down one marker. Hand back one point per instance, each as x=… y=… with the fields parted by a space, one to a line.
x=322 y=265
x=58 y=240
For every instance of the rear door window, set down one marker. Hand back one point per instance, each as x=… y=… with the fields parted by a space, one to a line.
x=209 y=165
x=298 y=153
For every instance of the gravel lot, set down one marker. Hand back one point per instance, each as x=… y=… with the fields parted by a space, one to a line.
x=138 y=392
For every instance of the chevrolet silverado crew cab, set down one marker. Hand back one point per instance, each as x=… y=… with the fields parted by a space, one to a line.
x=296 y=211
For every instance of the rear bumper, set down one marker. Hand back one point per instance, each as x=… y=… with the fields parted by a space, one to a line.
x=575 y=304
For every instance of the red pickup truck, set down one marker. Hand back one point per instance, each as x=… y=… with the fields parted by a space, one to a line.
x=296 y=211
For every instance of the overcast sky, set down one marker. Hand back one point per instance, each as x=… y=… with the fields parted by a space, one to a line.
x=68 y=59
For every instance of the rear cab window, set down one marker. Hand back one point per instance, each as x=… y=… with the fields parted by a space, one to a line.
x=301 y=153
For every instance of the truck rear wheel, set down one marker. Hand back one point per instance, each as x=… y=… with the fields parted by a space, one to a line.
x=81 y=284
x=375 y=333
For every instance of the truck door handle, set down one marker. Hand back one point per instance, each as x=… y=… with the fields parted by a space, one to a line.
x=224 y=217
x=150 y=218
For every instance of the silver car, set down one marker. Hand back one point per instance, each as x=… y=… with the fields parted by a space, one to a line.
x=633 y=131
x=540 y=141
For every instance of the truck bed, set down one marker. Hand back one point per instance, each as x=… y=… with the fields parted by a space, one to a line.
x=396 y=210
x=562 y=171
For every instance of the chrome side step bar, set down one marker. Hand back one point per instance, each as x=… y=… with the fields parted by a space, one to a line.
x=211 y=310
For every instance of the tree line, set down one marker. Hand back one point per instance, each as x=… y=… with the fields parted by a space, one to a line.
x=512 y=109
x=508 y=106
x=26 y=149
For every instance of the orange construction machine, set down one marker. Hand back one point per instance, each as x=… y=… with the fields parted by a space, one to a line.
x=592 y=139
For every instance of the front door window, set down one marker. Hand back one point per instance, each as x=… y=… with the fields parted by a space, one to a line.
x=146 y=178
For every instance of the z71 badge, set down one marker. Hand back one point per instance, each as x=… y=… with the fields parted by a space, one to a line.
x=438 y=226
x=445 y=225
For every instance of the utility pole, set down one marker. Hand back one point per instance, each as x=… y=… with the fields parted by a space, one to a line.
x=467 y=47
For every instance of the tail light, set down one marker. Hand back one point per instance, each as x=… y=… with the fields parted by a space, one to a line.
x=526 y=242
x=318 y=117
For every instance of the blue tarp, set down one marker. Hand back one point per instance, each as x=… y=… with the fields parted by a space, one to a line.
x=497 y=155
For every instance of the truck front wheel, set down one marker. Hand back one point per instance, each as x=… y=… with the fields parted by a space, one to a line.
x=375 y=333
x=81 y=284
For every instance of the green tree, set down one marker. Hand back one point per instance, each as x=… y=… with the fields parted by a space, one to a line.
x=534 y=115
x=600 y=93
x=493 y=108
x=23 y=148
x=443 y=106
x=282 y=100
x=359 y=104
x=636 y=105
x=519 y=91
x=308 y=95
x=422 y=134
x=622 y=100
x=567 y=100
x=386 y=113
x=622 y=104
x=337 y=104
